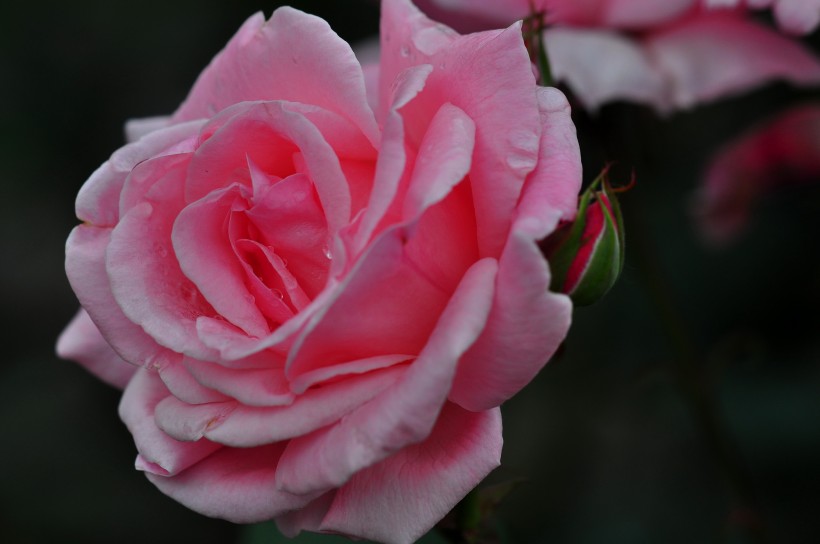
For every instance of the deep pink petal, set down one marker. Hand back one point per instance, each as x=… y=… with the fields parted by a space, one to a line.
x=85 y=268
x=401 y=498
x=158 y=452
x=81 y=341
x=403 y=414
x=233 y=484
x=294 y=56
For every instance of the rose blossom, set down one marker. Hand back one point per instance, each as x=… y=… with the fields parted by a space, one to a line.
x=325 y=302
x=667 y=54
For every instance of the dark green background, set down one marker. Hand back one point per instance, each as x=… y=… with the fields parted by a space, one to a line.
x=604 y=436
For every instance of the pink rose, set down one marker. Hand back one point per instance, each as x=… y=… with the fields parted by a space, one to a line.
x=783 y=151
x=666 y=54
x=327 y=304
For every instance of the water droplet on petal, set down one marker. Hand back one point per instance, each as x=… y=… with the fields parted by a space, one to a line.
x=328 y=254
x=278 y=294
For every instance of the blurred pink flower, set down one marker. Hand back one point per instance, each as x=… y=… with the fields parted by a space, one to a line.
x=329 y=279
x=794 y=16
x=782 y=151
x=666 y=54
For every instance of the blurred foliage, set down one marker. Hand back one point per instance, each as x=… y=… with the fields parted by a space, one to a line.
x=603 y=437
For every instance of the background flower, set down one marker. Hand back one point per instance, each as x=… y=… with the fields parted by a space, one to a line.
x=669 y=55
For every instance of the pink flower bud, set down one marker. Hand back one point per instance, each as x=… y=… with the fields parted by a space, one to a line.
x=587 y=254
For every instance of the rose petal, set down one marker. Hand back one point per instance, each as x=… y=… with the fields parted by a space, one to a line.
x=390 y=167
x=551 y=190
x=241 y=426
x=527 y=323
x=251 y=386
x=444 y=158
x=268 y=134
x=495 y=89
x=393 y=304
x=99 y=197
x=161 y=452
x=205 y=256
x=398 y=500
x=81 y=341
x=184 y=386
x=85 y=268
x=274 y=61
x=233 y=484
x=289 y=219
x=403 y=414
x=145 y=277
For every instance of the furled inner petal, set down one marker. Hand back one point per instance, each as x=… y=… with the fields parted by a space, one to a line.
x=203 y=249
x=288 y=220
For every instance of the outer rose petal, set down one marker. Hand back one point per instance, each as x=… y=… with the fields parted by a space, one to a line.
x=81 y=341
x=159 y=452
x=85 y=268
x=399 y=499
x=234 y=484
x=527 y=322
x=321 y=70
